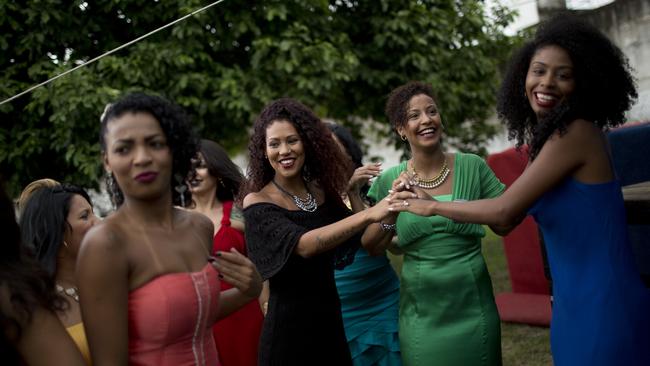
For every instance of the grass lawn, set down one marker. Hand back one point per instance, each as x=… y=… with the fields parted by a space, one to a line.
x=522 y=345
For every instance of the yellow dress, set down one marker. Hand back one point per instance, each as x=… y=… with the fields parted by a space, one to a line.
x=78 y=335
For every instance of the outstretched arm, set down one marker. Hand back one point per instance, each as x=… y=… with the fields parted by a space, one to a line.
x=560 y=158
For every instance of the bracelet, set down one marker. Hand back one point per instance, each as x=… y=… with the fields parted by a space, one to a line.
x=387 y=227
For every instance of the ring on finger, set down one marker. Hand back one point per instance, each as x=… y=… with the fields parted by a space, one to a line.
x=406 y=203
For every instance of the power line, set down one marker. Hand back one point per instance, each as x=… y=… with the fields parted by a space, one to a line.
x=111 y=51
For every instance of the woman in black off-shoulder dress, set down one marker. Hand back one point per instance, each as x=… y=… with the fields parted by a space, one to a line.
x=298 y=230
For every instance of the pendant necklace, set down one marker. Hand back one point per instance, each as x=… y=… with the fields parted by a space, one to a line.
x=308 y=204
x=434 y=182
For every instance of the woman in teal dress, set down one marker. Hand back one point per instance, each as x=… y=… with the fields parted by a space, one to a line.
x=447 y=311
x=368 y=287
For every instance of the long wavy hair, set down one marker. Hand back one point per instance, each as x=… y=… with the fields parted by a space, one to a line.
x=28 y=285
x=604 y=86
x=325 y=163
x=43 y=221
x=175 y=124
x=221 y=167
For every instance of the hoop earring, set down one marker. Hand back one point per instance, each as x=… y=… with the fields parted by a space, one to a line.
x=403 y=137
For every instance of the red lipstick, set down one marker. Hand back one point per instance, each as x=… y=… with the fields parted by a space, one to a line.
x=146 y=177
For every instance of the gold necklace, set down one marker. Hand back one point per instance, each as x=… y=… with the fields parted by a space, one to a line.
x=72 y=292
x=434 y=182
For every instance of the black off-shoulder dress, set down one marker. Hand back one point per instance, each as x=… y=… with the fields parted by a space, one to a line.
x=303 y=325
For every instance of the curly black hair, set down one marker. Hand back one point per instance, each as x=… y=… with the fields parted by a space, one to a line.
x=604 y=85
x=324 y=161
x=28 y=285
x=220 y=166
x=43 y=222
x=175 y=124
x=398 y=100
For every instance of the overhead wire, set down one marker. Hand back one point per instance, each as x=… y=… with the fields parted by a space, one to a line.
x=110 y=52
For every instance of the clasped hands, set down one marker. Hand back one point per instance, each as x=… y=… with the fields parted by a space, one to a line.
x=405 y=195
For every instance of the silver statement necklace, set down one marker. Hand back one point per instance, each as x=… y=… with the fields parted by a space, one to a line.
x=308 y=204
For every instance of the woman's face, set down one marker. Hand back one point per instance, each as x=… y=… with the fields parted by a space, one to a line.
x=423 y=127
x=202 y=182
x=138 y=156
x=80 y=219
x=284 y=149
x=549 y=80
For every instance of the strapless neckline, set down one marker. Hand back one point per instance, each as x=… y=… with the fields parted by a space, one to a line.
x=162 y=276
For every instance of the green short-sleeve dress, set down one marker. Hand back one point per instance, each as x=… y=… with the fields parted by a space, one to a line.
x=447 y=311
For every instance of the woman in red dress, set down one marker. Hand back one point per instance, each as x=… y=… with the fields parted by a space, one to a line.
x=214 y=187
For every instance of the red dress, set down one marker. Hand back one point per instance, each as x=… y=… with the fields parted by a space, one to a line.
x=237 y=336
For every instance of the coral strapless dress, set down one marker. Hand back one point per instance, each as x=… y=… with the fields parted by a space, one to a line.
x=171 y=318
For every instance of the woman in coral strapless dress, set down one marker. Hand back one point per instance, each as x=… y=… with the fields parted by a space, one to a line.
x=149 y=295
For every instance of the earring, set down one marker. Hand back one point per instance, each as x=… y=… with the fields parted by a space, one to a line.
x=180 y=188
x=65 y=244
x=403 y=137
x=221 y=182
x=113 y=190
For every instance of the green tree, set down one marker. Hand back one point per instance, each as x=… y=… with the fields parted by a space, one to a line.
x=340 y=57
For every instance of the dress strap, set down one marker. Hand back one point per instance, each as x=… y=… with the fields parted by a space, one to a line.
x=227 y=208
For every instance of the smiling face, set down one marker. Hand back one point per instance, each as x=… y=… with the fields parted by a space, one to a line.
x=423 y=127
x=550 y=80
x=138 y=155
x=284 y=149
x=80 y=219
x=203 y=181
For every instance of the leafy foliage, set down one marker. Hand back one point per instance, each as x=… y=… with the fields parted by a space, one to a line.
x=342 y=57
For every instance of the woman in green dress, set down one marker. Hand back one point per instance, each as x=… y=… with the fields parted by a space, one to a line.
x=447 y=311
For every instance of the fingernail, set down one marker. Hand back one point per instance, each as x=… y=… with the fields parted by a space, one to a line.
x=211 y=259
x=391 y=191
x=220 y=276
x=218 y=254
x=390 y=209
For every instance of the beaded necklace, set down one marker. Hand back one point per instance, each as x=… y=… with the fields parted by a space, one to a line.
x=308 y=204
x=434 y=182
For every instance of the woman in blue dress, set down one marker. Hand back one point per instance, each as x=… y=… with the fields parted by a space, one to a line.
x=561 y=91
x=368 y=288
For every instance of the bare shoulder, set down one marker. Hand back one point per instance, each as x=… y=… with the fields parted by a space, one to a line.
x=256 y=197
x=197 y=220
x=107 y=236
x=580 y=130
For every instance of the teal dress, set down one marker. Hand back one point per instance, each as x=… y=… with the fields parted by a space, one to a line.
x=447 y=311
x=369 y=293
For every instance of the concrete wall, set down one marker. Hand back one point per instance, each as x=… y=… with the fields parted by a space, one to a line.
x=627 y=23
